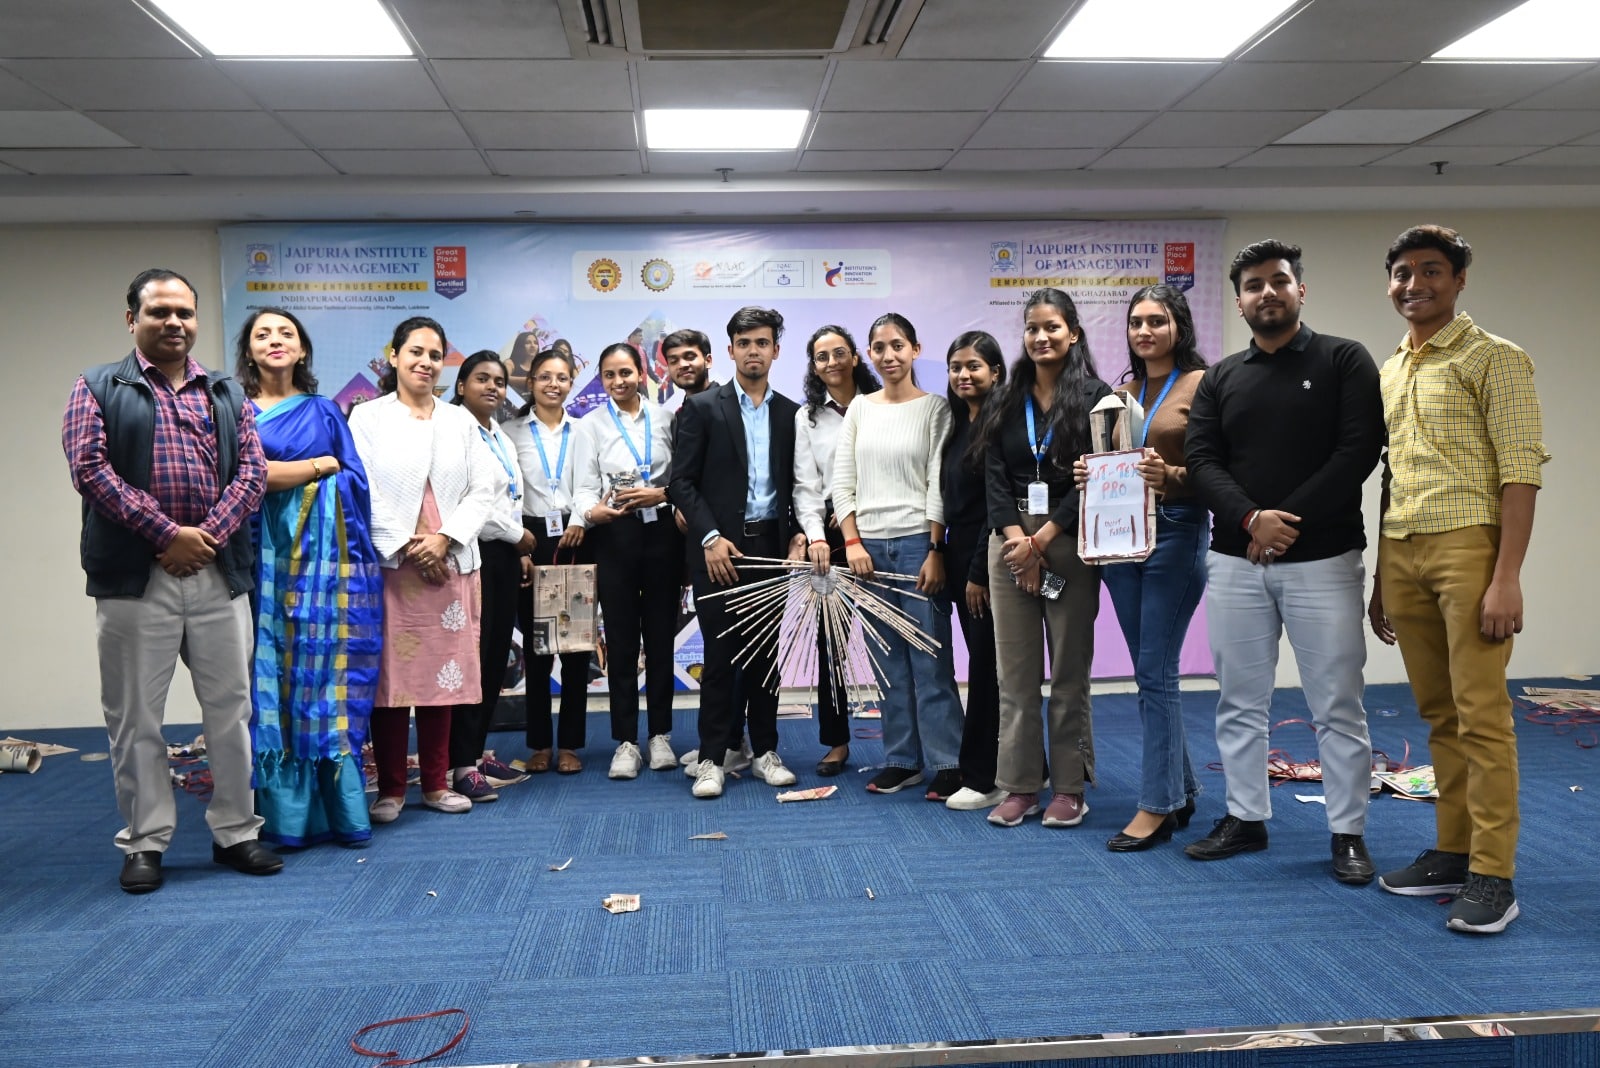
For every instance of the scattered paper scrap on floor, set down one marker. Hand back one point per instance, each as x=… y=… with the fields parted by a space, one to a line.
x=1415 y=784
x=617 y=903
x=815 y=793
x=46 y=749
x=714 y=836
x=562 y=867
x=1311 y=799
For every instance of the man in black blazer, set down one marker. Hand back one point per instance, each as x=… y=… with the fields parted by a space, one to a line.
x=733 y=481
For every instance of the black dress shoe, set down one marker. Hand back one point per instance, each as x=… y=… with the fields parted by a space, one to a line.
x=1123 y=842
x=1351 y=864
x=1229 y=836
x=1185 y=814
x=141 y=872
x=830 y=768
x=249 y=856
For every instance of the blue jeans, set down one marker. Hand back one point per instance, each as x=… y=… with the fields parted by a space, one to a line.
x=1155 y=600
x=922 y=714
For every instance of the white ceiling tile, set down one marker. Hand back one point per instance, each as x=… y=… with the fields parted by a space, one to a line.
x=249 y=163
x=1580 y=91
x=1054 y=84
x=445 y=162
x=873 y=161
x=918 y=85
x=706 y=163
x=731 y=83
x=132 y=84
x=527 y=85
x=199 y=129
x=378 y=130
x=1376 y=29
x=1465 y=85
x=565 y=164
x=485 y=29
x=1592 y=139
x=1041 y=159
x=55 y=129
x=1252 y=86
x=1045 y=130
x=1312 y=156
x=18 y=95
x=86 y=28
x=1194 y=129
x=545 y=130
x=977 y=29
x=1562 y=156
x=89 y=161
x=1520 y=127
x=337 y=85
x=1374 y=126
x=871 y=130
x=1455 y=155
x=8 y=170
x=1142 y=159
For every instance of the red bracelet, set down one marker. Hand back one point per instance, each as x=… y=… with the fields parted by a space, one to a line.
x=819 y=541
x=1035 y=547
x=851 y=541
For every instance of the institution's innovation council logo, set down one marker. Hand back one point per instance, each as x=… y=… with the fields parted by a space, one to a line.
x=1004 y=256
x=258 y=258
x=605 y=275
x=657 y=275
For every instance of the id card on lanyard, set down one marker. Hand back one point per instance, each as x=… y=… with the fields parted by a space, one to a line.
x=1038 y=490
x=646 y=515
x=552 y=479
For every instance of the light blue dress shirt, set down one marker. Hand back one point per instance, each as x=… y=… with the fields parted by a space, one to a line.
x=761 y=500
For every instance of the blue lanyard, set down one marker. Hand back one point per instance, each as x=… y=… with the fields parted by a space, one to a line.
x=642 y=461
x=1037 y=447
x=553 y=480
x=1144 y=430
x=493 y=441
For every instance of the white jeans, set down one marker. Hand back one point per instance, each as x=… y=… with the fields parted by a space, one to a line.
x=1320 y=604
x=141 y=639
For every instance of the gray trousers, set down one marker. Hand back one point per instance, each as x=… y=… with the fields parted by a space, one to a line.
x=1320 y=604
x=141 y=639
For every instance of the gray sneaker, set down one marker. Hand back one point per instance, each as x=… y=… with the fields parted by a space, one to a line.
x=1486 y=905
x=1432 y=873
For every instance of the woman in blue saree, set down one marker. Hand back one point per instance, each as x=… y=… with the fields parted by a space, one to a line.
x=318 y=600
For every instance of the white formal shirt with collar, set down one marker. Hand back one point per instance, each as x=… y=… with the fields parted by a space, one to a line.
x=602 y=453
x=538 y=498
x=813 y=467
x=505 y=521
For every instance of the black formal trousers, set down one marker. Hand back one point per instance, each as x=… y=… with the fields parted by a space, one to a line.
x=539 y=730
x=833 y=702
x=639 y=579
x=721 y=725
x=980 y=734
x=500 y=583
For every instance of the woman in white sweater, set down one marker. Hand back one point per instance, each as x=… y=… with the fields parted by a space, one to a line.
x=886 y=494
x=432 y=484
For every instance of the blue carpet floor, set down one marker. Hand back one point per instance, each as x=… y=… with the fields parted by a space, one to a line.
x=766 y=940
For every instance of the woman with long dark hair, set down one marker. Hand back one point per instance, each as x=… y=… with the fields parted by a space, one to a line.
x=1039 y=426
x=976 y=368
x=1156 y=598
x=433 y=489
x=835 y=376
x=318 y=597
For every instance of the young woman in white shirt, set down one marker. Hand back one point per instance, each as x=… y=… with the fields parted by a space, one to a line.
x=835 y=376
x=624 y=462
x=543 y=434
x=886 y=493
x=505 y=547
x=431 y=479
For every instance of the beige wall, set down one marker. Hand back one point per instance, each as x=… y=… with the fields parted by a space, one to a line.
x=61 y=294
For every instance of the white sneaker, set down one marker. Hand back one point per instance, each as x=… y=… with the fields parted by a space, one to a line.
x=662 y=758
x=689 y=760
x=967 y=799
x=733 y=760
x=707 y=780
x=625 y=762
x=770 y=770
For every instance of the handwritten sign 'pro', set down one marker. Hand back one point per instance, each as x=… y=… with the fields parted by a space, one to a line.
x=1114 y=505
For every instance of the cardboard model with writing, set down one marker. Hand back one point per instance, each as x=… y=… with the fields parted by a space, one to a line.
x=563 y=610
x=1117 y=508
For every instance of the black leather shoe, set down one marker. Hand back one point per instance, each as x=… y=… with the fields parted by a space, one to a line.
x=141 y=872
x=1185 y=814
x=1230 y=835
x=249 y=856
x=1351 y=864
x=1123 y=842
x=830 y=768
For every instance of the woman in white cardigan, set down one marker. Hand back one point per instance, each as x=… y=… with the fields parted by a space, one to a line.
x=432 y=484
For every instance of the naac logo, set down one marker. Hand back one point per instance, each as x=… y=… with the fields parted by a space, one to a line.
x=605 y=275
x=657 y=275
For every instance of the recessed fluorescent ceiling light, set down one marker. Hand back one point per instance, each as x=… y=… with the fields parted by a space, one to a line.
x=1162 y=29
x=289 y=29
x=1375 y=126
x=723 y=130
x=1538 y=29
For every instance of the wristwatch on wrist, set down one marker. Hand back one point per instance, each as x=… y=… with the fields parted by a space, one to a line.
x=936 y=547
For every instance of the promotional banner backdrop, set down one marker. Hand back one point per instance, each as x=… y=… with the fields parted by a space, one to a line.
x=519 y=288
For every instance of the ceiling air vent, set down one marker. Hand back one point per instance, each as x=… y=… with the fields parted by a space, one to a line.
x=676 y=29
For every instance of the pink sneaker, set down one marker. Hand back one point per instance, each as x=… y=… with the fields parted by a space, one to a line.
x=1014 y=809
x=1066 y=810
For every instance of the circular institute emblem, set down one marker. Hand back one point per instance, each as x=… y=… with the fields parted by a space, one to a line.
x=605 y=275
x=656 y=275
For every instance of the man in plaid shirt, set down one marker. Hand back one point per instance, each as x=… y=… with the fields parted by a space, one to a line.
x=1462 y=469
x=166 y=457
